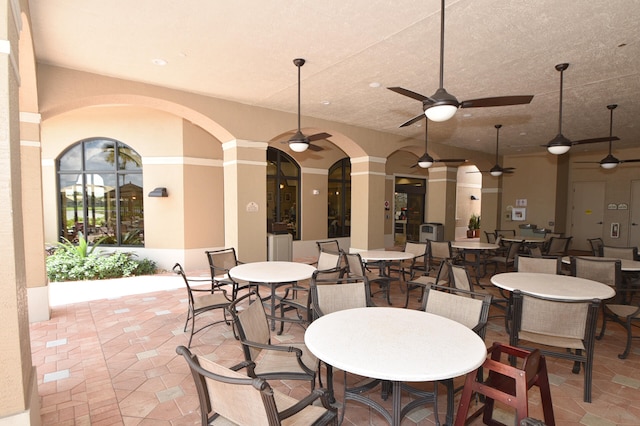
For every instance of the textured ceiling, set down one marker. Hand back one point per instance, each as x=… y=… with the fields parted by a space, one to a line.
x=243 y=50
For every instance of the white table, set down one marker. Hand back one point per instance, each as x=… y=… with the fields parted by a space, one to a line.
x=397 y=345
x=383 y=257
x=626 y=265
x=553 y=286
x=526 y=240
x=475 y=247
x=272 y=274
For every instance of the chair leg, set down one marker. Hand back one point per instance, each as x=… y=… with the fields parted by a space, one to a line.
x=627 y=348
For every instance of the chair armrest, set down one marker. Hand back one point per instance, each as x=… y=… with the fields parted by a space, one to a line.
x=321 y=394
x=282 y=348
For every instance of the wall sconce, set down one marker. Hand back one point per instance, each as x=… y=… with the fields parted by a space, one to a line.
x=159 y=192
x=474 y=198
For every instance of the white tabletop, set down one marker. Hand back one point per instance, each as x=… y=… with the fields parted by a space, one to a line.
x=395 y=344
x=625 y=264
x=378 y=255
x=272 y=272
x=473 y=245
x=525 y=239
x=553 y=286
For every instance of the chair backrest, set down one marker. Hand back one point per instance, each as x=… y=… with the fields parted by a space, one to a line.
x=596 y=246
x=568 y=321
x=460 y=277
x=468 y=308
x=440 y=249
x=558 y=246
x=329 y=260
x=177 y=268
x=605 y=271
x=330 y=245
x=491 y=237
x=513 y=250
x=355 y=265
x=628 y=253
x=336 y=294
x=535 y=250
x=416 y=249
x=220 y=261
x=251 y=323
x=505 y=233
x=543 y=264
x=220 y=389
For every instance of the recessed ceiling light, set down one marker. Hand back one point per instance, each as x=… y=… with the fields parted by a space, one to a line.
x=325 y=102
x=523 y=133
x=374 y=84
x=467 y=115
x=159 y=62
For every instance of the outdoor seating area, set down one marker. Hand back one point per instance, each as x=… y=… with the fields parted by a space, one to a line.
x=136 y=376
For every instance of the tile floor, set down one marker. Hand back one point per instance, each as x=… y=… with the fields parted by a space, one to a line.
x=112 y=361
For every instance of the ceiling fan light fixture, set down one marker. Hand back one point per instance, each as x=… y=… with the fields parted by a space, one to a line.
x=298 y=146
x=496 y=173
x=559 y=145
x=425 y=161
x=609 y=162
x=440 y=113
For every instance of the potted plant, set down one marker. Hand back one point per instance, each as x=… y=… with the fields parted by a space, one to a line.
x=474 y=226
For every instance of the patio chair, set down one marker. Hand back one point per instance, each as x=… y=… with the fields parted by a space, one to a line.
x=229 y=397
x=628 y=253
x=543 y=264
x=596 y=246
x=297 y=296
x=330 y=293
x=270 y=362
x=508 y=259
x=438 y=251
x=412 y=266
x=357 y=268
x=470 y=309
x=328 y=245
x=220 y=261
x=491 y=237
x=201 y=300
x=567 y=325
x=508 y=233
x=461 y=280
x=557 y=246
x=617 y=309
x=442 y=278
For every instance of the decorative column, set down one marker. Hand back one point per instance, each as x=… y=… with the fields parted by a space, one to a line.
x=441 y=199
x=18 y=393
x=245 y=198
x=367 y=203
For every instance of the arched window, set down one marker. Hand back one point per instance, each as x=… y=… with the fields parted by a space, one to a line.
x=339 y=214
x=100 y=193
x=283 y=193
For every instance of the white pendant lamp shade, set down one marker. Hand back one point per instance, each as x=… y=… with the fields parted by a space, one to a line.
x=440 y=112
x=298 y=146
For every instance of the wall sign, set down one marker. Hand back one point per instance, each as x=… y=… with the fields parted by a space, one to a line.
x=615 y=230
x=612 y=206
x=623 y=206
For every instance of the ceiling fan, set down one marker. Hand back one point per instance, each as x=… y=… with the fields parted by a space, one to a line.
x=610 y=162
x=497 y=170
x=560 y=144
x=299 y=142
x=441 y=106
x=426 y=160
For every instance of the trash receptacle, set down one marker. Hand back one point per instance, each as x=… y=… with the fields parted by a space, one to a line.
x=431 y=231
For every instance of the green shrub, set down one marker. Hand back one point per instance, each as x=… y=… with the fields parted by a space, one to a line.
x=81 y=262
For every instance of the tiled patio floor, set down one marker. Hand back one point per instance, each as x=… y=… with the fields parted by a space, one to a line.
x=112 y=361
